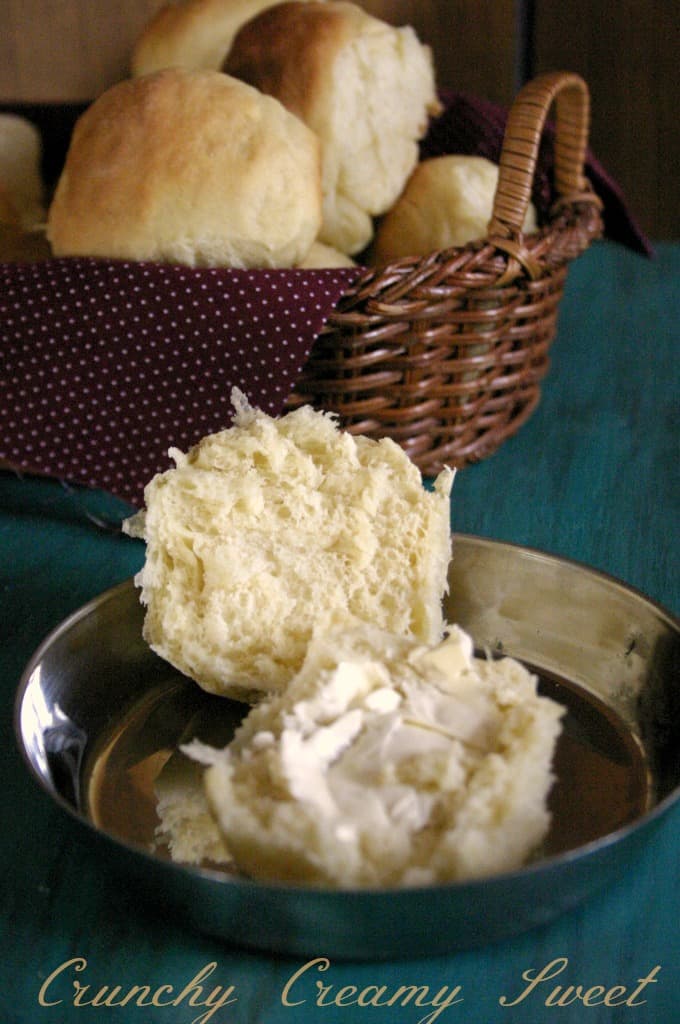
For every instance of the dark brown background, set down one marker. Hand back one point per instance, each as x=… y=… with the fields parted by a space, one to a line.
x=68 y=52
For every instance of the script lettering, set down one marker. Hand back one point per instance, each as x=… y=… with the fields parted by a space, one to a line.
x=78 y=963
x=369 y=995
x=194 y=993
x=566 y=995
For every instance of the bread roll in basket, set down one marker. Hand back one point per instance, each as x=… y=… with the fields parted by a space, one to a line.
x=445 y=353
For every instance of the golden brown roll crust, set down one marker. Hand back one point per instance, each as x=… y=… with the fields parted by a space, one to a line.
x=366 y=88
x=189 y=167
x=447 y=202
x=192 y=34
x=287 y=50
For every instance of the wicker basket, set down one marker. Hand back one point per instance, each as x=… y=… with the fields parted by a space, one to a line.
x=446 y=354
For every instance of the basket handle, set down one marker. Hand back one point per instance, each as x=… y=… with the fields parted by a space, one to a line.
x=523 y=132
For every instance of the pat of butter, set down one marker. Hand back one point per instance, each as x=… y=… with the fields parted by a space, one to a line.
x=383 y=700
x=452 y=656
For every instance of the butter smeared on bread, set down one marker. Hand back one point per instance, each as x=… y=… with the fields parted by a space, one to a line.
x=388 y=763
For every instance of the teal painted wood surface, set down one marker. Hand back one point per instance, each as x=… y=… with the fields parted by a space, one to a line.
x=593 y=476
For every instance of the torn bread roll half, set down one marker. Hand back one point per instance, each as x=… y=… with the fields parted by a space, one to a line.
x=387 y=763
x=364 y=87
x=189 y=167
x=264 y=530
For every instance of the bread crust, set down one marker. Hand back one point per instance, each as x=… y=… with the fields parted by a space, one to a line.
x=447 y=202
x=287 y=50
x=190 y=167
x=365 y=87
x=192 y=34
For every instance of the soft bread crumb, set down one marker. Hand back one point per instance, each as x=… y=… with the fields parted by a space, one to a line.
x=265 y=529
x=366 y=88
x=388 y=763
x=321 y=255
x=186 y=825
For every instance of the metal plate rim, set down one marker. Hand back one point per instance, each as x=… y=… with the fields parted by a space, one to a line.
x=546 y=864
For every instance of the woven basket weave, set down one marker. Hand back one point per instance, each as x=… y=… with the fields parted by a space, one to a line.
x=446 y=354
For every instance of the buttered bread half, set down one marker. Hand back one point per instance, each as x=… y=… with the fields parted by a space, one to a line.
x=387 y=763
x=265 y=530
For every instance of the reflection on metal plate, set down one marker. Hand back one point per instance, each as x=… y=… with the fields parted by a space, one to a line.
x=99 y=716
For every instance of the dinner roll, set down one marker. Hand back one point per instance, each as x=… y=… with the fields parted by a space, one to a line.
x=366 y=88
x=447 y=202
x=388 y=763
x=264 y=529
x=188 y=167
x=191 y=34
x=22 y=190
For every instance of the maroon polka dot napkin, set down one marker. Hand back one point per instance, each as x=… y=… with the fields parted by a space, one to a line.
x=104 y=364
x=473 y=125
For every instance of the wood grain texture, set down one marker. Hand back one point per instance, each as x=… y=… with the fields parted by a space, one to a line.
x=628 y=54
x=69 y=51
x=472 y=41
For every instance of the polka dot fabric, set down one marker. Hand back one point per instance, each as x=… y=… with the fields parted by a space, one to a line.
x=105 y=365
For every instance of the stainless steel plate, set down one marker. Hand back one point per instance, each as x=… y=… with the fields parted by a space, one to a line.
x=98 y=715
